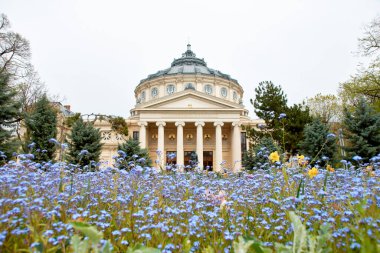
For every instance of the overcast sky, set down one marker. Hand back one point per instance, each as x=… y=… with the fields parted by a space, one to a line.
x=94 y=53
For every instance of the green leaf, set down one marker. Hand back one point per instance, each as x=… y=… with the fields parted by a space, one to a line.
x=280 y=248
x=300 y=234
x=299 y=188
x=78 y=245
x=209 y=249
x=186 y=245
x=106 y=248
x=312 y=244
x=258 y=248
x=242 y=246
x=142 y=249
x=90 y=231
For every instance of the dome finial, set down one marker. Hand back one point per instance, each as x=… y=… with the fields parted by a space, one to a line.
x=188 y=47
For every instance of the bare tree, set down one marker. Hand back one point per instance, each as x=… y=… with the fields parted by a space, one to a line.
x=369 y=44
x=366 y=82
x=326 y=107
x=30 y=88
x=14 y=50
x=15 y=62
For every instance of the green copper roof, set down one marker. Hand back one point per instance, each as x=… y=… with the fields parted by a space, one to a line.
x=188 y=64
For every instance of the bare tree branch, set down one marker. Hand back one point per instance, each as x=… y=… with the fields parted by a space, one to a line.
x=14 y=50
x=369 y=44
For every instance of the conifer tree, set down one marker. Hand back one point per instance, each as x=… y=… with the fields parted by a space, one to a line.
x=297 y=116
x=317 y=143
x=363 y=131
x=132 y=154
x=84 y=143
x=41 y=124
x=257 y=157
x=9 y=112
x=271 y=105
x=270 y=101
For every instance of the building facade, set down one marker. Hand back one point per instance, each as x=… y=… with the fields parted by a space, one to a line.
x=187 y=108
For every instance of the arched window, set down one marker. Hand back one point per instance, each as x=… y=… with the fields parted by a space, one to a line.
x=154 y=92
x=170 y=89
x=223 y=92
x=235 y=96
x=208 y=89
x=143 y=96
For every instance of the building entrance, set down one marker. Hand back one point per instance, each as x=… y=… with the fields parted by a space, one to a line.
x=190 y=159
x=171 y=157
x=207 y=160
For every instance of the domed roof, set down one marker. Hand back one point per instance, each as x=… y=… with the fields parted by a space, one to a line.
x=189 y=64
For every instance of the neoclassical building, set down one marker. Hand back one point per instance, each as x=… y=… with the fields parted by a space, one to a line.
x=185 y=108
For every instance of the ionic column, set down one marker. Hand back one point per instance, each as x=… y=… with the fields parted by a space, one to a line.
x=218 y=145
x=236 y=146
x=180 y=158
x=142 y=135
x=161 y=142
x=200 y=125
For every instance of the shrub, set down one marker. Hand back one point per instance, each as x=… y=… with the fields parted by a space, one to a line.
x=130 y=155
x=257 y=157
x=84 y=143
x=316 y=143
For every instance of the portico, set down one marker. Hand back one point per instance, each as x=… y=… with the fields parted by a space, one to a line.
x=186 y=136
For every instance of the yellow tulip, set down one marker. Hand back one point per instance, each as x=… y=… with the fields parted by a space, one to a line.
x=274 y=157
x=313 y=172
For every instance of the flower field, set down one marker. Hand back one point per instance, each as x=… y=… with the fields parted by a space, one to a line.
x=43 y=209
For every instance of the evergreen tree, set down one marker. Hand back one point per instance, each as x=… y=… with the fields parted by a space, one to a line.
x=9 y=113
x=297 y=116
x=363 y=133
x=257 y=157
x=41 y=124
x=283 y=123
x=130 y=154
x=270 y=101
x=317 y=143
x=84 y=143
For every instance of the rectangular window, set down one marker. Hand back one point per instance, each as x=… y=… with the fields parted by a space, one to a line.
x=136 y=135
x=207 y=160
x=243 y=138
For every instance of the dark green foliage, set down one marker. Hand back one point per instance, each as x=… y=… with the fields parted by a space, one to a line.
x=315 y=137
x=84 y=136
x=41 y=124
x=9 y=113
x=130 y=154
x=119 y=125
x=257 y=157
x=251 y=133
x=270 y=102
x=297 y=116
x=363 y=131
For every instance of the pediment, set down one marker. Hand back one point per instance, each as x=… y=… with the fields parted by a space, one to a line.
x=191 y=100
